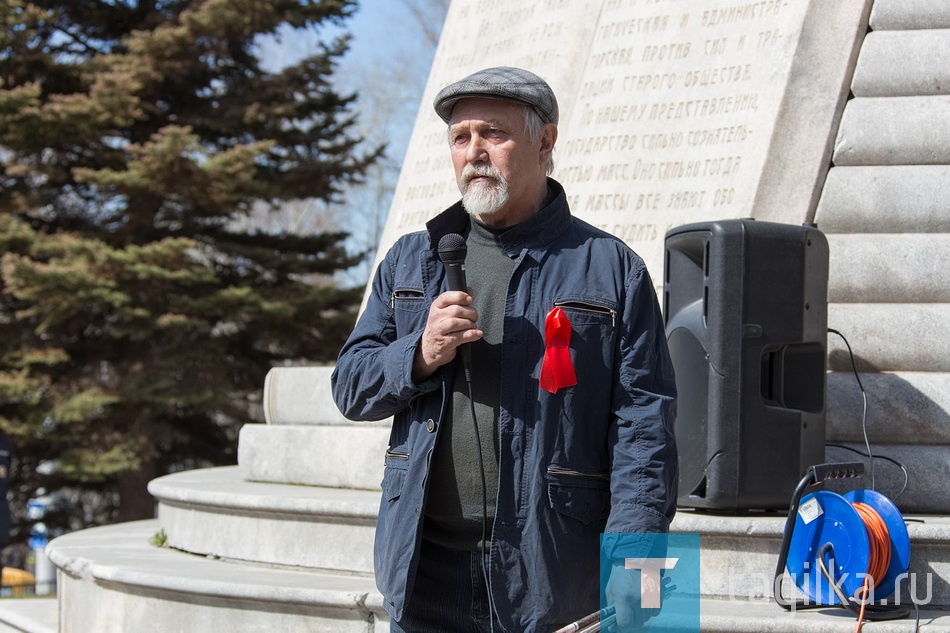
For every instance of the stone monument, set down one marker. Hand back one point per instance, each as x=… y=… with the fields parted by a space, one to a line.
x=672 y=111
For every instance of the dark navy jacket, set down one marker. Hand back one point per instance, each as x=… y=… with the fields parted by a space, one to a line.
x=597 y=456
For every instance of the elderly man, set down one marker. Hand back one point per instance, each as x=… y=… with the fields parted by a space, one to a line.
x=533 y=405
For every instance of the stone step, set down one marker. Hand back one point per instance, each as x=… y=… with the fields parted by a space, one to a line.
x=885 y=199
x=28 y=615
x=928 y=470
x=889 y=268
x=346 y=455
x=903 y=407
x=894 y=131
x=301 y=395
x=887 y=336
x=902 y=64
x=739 y=553
x=149 y=588
x=112 y=580
x=910 y=14
x=906 y=421
x=764 y=616
x=215 y=512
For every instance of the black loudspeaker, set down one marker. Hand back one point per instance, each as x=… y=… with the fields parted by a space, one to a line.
x=746 y=312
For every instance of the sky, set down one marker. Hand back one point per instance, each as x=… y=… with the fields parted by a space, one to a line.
x=385 y=31
x=385 y=34
x=387 y=65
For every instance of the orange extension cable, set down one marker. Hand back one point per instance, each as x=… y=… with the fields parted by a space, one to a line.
x=879 y=556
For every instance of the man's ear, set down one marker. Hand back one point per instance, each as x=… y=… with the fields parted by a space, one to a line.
x=548 y=138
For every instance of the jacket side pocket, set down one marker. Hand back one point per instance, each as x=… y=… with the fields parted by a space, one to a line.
x=394 y=479
x=581 y=496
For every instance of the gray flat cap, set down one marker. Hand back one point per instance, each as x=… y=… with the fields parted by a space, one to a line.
x=503 y=82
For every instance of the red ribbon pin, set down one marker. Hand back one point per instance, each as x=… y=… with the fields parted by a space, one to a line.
x=557 y=369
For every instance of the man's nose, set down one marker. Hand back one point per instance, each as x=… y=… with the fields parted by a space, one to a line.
x=476 y=152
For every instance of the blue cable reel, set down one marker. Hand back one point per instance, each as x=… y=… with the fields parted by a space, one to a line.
x=826 y=548
x=828 y=526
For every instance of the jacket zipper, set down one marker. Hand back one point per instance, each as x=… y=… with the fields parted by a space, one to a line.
x=397 y=454
x=583 y=306
x=557 y=470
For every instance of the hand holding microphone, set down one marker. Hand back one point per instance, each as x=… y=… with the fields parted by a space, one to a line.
x=452 y=319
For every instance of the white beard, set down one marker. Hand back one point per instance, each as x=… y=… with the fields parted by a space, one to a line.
x=483 y=198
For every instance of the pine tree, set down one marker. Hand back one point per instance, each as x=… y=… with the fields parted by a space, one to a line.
x=138 y=319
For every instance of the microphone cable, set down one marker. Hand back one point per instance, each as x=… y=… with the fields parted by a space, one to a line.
x=484 y=545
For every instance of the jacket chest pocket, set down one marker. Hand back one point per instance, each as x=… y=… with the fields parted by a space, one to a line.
x=594 y=330
x=588 y=312
x=409 y=309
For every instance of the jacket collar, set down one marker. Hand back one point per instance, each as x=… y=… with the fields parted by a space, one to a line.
x=535 y=232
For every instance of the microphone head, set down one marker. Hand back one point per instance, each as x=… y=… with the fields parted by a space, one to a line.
x=452 y=249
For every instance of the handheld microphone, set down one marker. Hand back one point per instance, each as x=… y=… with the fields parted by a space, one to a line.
x=452 y=252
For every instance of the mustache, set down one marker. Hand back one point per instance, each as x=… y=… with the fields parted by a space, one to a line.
x=473 y=171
